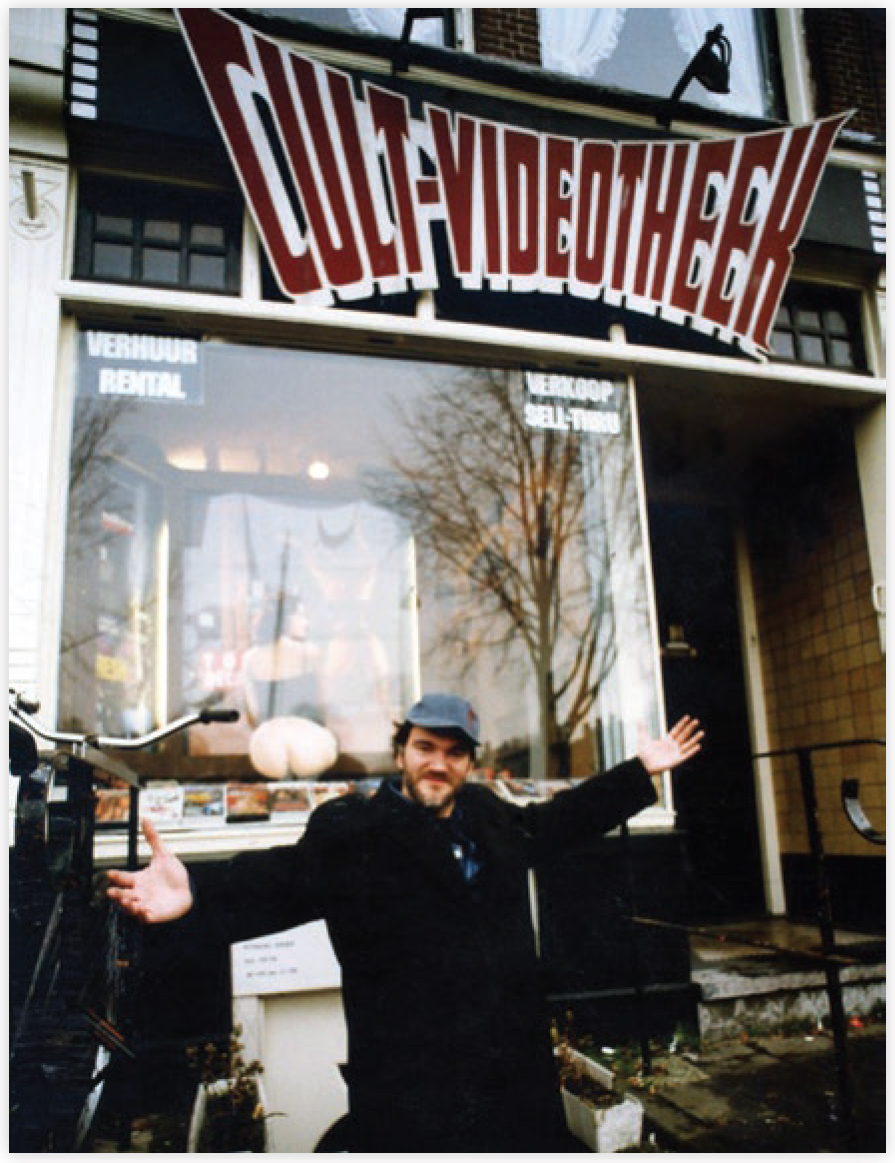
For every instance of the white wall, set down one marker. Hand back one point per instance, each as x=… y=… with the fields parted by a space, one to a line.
x=38 y=193
x=288 y=1005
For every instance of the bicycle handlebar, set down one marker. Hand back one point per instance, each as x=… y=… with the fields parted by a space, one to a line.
x=23 y=709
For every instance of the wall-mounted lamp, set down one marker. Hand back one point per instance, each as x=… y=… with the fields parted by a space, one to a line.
x=402 y=52
x=710 y=66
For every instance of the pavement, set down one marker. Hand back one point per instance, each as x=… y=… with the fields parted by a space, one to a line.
x=767 y=1095
x=750 y=1092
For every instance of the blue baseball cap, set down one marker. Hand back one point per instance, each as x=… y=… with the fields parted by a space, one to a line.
x=440 y=712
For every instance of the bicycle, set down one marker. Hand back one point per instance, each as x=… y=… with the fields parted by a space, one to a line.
x=73 y=955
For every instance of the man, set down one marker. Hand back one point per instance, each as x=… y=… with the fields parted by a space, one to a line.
x=424 y=889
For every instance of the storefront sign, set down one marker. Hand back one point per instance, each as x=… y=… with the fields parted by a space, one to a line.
x=297 y=959
x=348 y=189
x=161 y=368
x=573 y=404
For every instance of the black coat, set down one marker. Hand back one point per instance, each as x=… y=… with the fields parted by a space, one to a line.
x=448 y=1046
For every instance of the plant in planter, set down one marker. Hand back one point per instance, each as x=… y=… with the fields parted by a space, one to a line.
x=228 y=1115
x=596 y=1113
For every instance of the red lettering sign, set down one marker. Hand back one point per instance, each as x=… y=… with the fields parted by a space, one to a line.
x=346 y=188
x=456 y=159
x=558 y=207
x=658 y=226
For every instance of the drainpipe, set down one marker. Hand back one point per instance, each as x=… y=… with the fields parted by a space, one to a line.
x=795 y=65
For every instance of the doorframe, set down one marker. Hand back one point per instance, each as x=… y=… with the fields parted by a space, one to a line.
x=759 y=734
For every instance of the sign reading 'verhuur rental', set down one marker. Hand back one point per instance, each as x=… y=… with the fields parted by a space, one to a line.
x=137 y=366
x=347 y=181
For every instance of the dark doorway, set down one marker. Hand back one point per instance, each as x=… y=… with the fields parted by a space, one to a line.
x=702 y=666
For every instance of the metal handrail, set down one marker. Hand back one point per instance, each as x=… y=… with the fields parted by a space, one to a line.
x=855 y=813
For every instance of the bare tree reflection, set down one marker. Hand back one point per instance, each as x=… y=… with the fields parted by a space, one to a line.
x=107 y=616
x=522 y=521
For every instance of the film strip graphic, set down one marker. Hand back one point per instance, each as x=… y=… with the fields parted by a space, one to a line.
x=876 y=210
x=82 y=63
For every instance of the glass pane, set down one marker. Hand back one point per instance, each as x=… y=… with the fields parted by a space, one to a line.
x=110 y=632
x=155 y=230
x=835 y=323
x=807 y=320
x=161 y=266
x=204 y=235
x=207 y=270
x=812 y=348
x=378 y=21
x=647 y=50
x=782 y=345
x=116 y=225
x=329 y=535
x=112 y=261
x=841 y=353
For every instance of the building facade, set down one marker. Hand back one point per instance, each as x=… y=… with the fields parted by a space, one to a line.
x=328 y=338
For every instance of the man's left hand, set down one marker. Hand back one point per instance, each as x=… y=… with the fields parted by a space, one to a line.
x=680 y=744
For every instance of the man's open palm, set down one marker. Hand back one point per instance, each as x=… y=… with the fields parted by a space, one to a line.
x=161 y=891
x=674 y=748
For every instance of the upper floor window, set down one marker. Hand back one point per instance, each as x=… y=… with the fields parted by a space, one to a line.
x=646 y=50
x=821 y=326
x=140 y=232
x=379 y=21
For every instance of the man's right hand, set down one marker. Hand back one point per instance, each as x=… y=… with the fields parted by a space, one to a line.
x=158 y=893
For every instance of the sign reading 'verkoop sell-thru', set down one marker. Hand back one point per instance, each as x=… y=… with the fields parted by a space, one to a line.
x=348 y=181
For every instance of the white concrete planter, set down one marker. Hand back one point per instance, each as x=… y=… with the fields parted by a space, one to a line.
x=205 y=1097
x=615 y=1127
x=604 y=1129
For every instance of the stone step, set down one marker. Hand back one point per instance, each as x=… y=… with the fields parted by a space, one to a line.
x=748 y=990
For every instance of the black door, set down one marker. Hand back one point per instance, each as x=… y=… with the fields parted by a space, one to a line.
x=702 y=665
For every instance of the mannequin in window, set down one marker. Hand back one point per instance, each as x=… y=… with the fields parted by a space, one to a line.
x=353 y=573
x=282 y=695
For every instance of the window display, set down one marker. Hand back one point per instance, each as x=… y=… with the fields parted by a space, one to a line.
x=315 y=538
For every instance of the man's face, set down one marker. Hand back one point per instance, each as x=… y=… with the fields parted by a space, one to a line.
x=434 y=767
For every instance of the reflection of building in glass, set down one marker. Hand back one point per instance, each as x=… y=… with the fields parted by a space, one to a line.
x=452 y=541
x=519 y=527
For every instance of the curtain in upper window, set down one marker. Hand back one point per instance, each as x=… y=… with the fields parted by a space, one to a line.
x=645 y=50
x=379 y=21
x=691 y=26
x=577 y=40
x=390 y=22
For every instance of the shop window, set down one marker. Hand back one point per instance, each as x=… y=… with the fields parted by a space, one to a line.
x=820 y=326
x=321 y=537
x=378 y=21
x=646 y=50
x=154 y=235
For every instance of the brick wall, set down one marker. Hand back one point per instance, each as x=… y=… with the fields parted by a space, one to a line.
x=824 y=670
x=847 y=50
x=508 y=33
